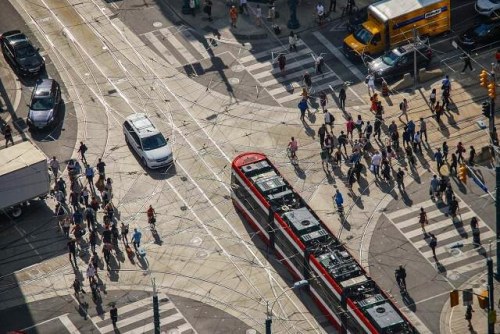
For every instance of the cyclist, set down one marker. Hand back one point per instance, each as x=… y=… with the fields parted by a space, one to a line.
x=293 y=146
x=401 y=277
x=151 y=215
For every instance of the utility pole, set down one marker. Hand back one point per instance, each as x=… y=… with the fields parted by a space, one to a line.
x=491 y=302
x=414 y=58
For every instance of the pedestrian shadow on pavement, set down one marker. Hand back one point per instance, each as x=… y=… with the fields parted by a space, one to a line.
x=409 y=301
x=299 y=171
x=308 y=130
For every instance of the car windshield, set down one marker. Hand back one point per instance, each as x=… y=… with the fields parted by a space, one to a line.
x=390 y=58
x=363 y=36
x=153 y=142
x=483 y=29
x=45 y=103
x=25 y=50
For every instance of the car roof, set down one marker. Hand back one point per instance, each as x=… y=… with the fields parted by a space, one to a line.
x=44 y=87
x=142 y=124
x=403 y=49
x=15 y=37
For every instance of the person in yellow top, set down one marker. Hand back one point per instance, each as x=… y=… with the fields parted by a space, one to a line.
x=233 y=14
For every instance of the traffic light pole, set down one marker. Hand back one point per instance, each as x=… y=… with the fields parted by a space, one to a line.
x=491 y=301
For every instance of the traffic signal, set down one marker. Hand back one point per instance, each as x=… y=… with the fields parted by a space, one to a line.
x=483 y=78
x=492 y=91
x=485 y=106
x=454 y=298
x=483 y=299
x=462 y=173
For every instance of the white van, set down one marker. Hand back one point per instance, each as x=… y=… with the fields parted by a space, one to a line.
x=148 y=142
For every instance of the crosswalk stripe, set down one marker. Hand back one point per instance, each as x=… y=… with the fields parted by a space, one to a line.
x=140 y=316
x=471 y=267
x=129 y=307
x=339 y=55
x=185 y=327
x=287 y=78
x=66 y=321
x=283 y=89
x=270 y=62
x=195 y=43
x=276 y=70
x=452 y=259
x=263 y=54
x=172 y=39
x=438 y=225
x=150 y=326
x=320 y=88
x=467 y=245
x=151 y=37
x=410 y=209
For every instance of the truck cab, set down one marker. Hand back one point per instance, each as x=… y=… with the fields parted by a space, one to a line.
x=366 y=40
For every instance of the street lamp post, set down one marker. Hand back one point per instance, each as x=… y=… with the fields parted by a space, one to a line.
x=269 y=319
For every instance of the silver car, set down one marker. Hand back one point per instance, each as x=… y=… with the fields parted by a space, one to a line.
x=44 y=106
x=147 y=141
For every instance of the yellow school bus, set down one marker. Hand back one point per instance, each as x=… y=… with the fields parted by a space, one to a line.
x=391 y=22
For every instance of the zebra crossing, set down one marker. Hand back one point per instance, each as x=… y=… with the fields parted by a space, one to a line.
x=137 y=317
x=180 y=47
x=455 y=251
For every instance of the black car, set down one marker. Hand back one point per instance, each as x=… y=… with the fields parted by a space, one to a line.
x=480 y=34
x=44 y=106
x=21 y=54
x=395 y=63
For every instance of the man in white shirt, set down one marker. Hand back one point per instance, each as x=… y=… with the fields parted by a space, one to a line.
x=370 y=81
x=320 y=10
x=376 y=161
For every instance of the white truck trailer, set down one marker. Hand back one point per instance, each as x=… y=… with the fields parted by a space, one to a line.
x=24 y=176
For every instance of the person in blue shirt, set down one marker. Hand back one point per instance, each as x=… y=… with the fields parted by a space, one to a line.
x=303 y=107
x=136 y=238
x=438 y=156
x=339 y=200
x=89 y=173
x=411 y=128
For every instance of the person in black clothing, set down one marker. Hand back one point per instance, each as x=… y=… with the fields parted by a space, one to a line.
x=400 y=179
x=453 y=207
x=208 y=9
x=82 y=150
x=101 y=168
x=113 y=314
x=333 y=5
x=401 y=277
x=472 y=155
x=342 y=97
x=107 y=255
x=72 y=251
x=342 y=139
x=467 y=63
x=454 y=164
x=106 y=236
x=433 y=245
x=321 y=134
x=350 y=177
x=377 y=131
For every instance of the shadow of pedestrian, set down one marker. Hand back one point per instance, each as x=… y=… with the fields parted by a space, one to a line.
x=409 y=301
x=156 y=237
x=308 y=130
x=299 y=172
x=406 y=199
x=440 y=268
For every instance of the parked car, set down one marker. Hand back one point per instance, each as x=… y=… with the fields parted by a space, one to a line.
x=21 y=54
x=45 y=104
x=395 y=63
x=488 y=7
x=147 y=141
x=480 y=34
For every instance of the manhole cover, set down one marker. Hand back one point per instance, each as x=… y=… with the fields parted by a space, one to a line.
x=237 y=68
x=251 y=331
x=196 y=241
x=202 y=254
x=157 y=24
x=234 y=81
x=455 y=252
x=454 y=275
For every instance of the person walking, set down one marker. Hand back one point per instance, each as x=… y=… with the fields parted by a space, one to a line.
x=432 y=99
x=208 y=9
x=359 y=125
x=107 y=254
x=328 y=119
x=423 y=129
x=342 y=139
x=303 y=107
x=90 y=273
x=82 y=150
x=377 y=128
x=453 y=207
x=403 y=107
x=321 y=134
x=323 y=100
x=307 y=81
x=319 y=61
x=292 y=41
x=92 y=239
x=417 y=142
x=258 y=16
x=233 y=15
x=124 y=233
x=446 y=83
x=453 y=164
x=445 y=99
x=400 y=179
x=422 y=218
x=460 y=152
x=467 y=62
x=342 y=98
x=468 y=315
x=434 y=187
x=333 y=5
x=54 y=167
x=376 y=162
x=243 y=7
x=101 y=168
x=328 y=145
x=349 y=126
x=72 y=252
x=368 y=130
x=7 y=133
x=89 y=174
x=136 y=238
x=370 y=82
x=113 y=314
x=282 y=62
x=192 y=7
x=472 y=155
x=438 y=110
x=438 y=156
x=445 y=150
x=433 y=245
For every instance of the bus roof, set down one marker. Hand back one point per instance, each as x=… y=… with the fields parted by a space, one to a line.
x=391 y=9
x=18 y=156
